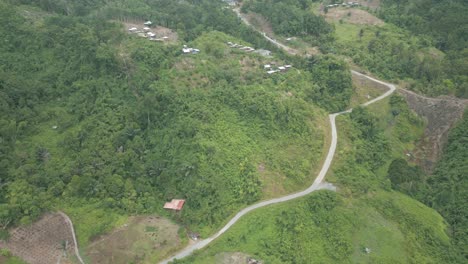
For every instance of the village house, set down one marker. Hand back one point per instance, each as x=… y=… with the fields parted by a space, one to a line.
x=187 y=50
x=175 y=204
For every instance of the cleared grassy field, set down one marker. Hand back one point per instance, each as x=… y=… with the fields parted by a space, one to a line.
x=142 y=239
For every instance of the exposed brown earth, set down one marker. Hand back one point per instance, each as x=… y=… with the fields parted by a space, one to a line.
x=231 y=258
x=48 y=240
x=141 y=240
x=259 y=22
x=440 y=114
x=353 y=16
x=158 y=30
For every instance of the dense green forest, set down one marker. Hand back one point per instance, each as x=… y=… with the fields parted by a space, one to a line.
x=102 y=124
x=423 y=44
x=444 y=190
x=442 y=24
x=94 y=118
x=293 y=18
x=328 y=227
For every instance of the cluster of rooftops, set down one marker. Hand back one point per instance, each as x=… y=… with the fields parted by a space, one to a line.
x=145 y=32
x=241 y=47
x=348 y=4
x=265 y=53
x=272 y=69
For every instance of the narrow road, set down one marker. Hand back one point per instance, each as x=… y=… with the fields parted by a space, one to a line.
x=278 y=44
x=318 y=184
x=75 y=243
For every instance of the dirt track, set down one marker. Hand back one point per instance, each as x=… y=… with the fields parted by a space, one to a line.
x=49 y=240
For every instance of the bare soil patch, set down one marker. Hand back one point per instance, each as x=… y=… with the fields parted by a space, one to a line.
x=353 y=16
x=231 y=258
x=142 y=240
x=259 y=22
x=441 y=115
x=158 y=30
x=48 y=240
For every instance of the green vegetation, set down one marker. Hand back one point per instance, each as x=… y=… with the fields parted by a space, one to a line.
x=445 y=189
x=448 y=185
x=293 y=18
x=7 y=258
x=394 y=53
x=102 y=124
x=423 y=43
x=325 y=227
x=328 y=227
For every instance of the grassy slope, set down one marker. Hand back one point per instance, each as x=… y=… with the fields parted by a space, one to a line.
x=388 y=223
x=395 y=227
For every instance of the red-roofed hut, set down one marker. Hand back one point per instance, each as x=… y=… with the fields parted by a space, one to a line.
x=175 y=204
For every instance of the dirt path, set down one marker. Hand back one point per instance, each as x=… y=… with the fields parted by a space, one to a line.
x=274 y=41
x=75 y=243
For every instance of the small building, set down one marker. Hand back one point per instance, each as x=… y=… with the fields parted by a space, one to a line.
x=187 y=50
x=272 y=71
x=146 y=29
x=267 y=66
x=253 y=261
x=148 y=23
x=175 y=204
x=288 y=66
x=194 y=236
x=263 y=52
x=151 y=34
x=282 y=68
x=133 y=29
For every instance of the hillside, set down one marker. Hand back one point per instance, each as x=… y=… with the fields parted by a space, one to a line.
x=365 y=222
x=103 y=124
x=107 y=123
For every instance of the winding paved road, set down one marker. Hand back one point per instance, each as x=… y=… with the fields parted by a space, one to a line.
x=318 y=184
